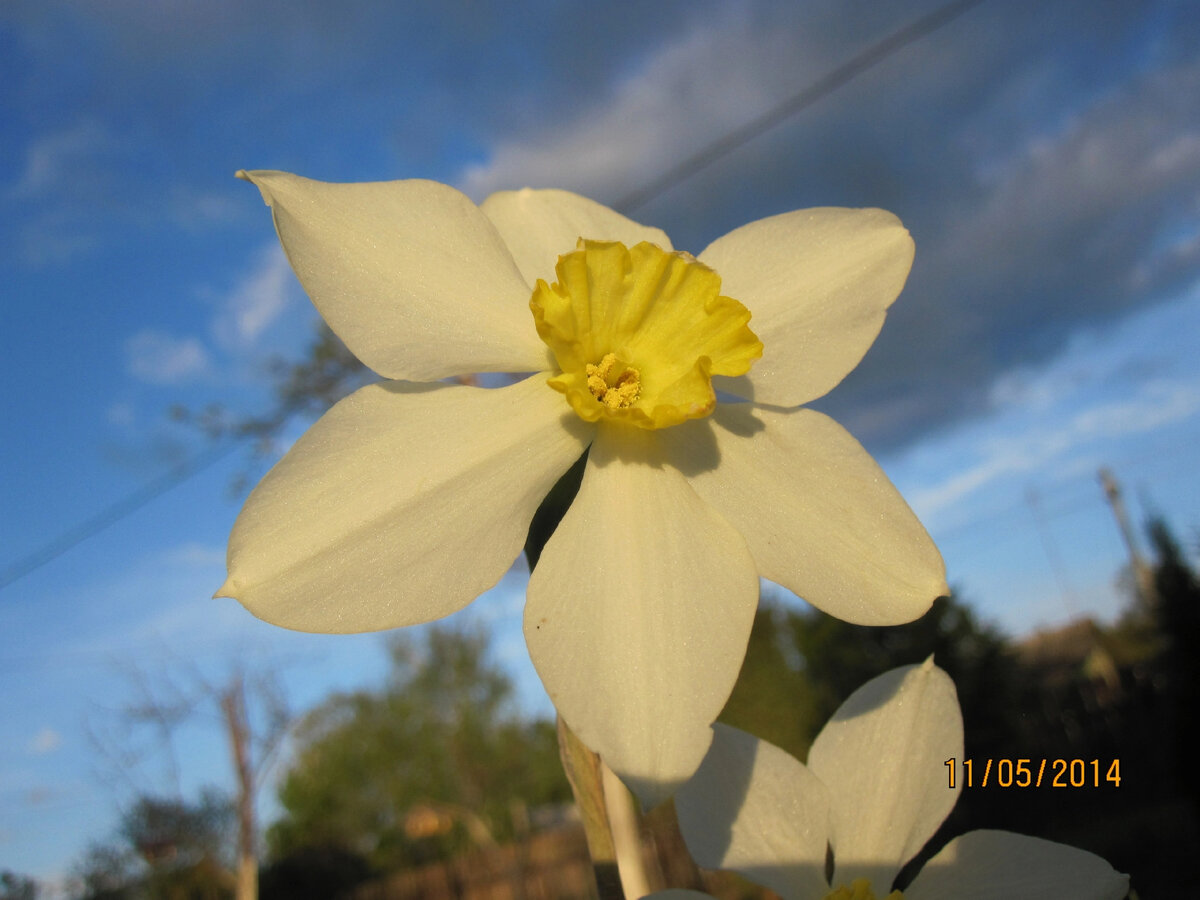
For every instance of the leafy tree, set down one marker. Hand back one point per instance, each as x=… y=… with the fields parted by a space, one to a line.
x=165 y=850
x=17 y=887
x=107 y=872
x=1177 y=592
x=807 y=663
x=177 y=833
x=1177 y=602
x=432 y=763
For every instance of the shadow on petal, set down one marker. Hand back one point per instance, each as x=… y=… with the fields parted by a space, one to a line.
x=754 y=809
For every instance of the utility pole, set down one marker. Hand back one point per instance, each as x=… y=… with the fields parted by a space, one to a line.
x=1143 y=575
x=1052 y=555
x=233 y=709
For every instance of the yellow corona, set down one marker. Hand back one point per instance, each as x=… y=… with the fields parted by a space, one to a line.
x=638 y=332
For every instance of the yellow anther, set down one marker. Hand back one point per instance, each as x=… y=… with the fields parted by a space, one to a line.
x=619 y=393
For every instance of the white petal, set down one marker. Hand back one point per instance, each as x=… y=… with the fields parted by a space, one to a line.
x=818 y=283
x=638 y=614
x=882 y=757
x=540 y=225
x=999 y=865
x=400 y=505
x=820 y=517
x=754 y=809
x=410 y=274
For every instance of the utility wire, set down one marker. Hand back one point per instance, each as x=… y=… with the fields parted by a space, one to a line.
x=867 y=59
x=113 y=514
x=819 y=89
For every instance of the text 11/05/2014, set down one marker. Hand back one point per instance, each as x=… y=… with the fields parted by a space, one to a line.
x=1024 y=773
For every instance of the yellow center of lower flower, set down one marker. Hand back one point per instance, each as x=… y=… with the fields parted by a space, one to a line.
x=860 y=889
x=638 y=333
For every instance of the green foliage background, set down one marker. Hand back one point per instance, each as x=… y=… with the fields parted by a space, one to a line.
x=442 y=735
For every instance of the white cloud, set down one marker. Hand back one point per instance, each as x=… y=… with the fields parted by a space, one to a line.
x=1161 y=403
x=54 y=160
x=193 y=208
x=1156 y=405
x=686 y=95
x=257 y=301
x=243 y=315
x=68 y=177
x=1119 y=154
x=47 y=740
x=193 y=554
x=1180 y=252
x=158 y=358
x=1107 y=389
x=1178 y=153
x=49 y=241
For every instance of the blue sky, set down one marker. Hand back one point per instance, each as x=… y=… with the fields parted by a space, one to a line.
x=1045 y=156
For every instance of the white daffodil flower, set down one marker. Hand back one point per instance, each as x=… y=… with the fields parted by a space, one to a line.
x=411 y=497
x=874 y=791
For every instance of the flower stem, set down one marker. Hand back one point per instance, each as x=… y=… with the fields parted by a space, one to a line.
x=584 y=772
x=626 y=831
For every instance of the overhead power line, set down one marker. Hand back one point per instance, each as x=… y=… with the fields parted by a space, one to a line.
x=819 y=89
x=867 y=59
x=113 y=514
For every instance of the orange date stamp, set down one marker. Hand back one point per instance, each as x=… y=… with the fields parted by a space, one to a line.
x=1033 y=773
